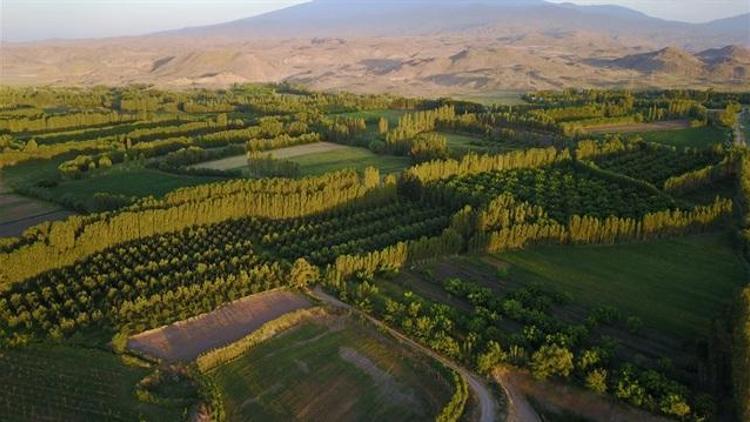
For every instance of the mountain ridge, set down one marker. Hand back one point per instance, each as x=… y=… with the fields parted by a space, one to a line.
x=451 y=47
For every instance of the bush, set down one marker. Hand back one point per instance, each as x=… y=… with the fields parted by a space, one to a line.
x=596 y=381
x=551 y=360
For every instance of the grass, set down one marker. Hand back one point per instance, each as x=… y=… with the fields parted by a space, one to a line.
x=55 y=382
x=694 y=137
x=349 y=157
x=674 y=285
x=315 y=372
x=463 y=143
x=130 y=180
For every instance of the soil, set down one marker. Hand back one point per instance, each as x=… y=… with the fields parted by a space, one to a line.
x=640 y=127
x=185 y=340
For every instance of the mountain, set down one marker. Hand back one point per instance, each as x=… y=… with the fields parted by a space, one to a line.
x=369 y=18
x=667 y=60
x=412 y=47
x=730 y=63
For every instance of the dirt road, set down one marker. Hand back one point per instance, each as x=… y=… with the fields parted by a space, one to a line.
x=488 y=406
x=519 y=409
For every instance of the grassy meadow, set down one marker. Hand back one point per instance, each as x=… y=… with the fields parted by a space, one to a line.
x=349 y=157
x=694 y=137
x=343 y=372
x=676 y=285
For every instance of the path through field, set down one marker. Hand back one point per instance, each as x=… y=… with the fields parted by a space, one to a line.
x=519 y=409
x=488 y=406
x=639 y=127
x=185 y=340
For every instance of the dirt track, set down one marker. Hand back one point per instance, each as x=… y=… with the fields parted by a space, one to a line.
x=185 y=340
x=639 y=127
x=488 y=406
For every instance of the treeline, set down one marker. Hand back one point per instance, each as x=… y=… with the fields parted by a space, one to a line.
x=518 y=232
x=178 y=162
x=474 y=164
x=454 y=409
x=264 y=165
x=698 y=178
x=281 y=141
x=210 y=360
x=64 y=121
x=412 y=124
x=53 y=245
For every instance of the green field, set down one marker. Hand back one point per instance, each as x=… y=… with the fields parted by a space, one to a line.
x=674 y=285
x=694 y=137
x=331 y=372
x=136 y=181
x=349 y=157
x=62 y=383
x=458 y=142
x=130 y=180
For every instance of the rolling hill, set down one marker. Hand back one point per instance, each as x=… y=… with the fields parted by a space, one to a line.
x=413 y=47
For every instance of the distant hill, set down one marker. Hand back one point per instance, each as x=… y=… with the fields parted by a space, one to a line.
x=410 y=47
x=368 y=18
x=727 y=63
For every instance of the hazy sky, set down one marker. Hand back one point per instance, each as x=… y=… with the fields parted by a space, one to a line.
x=25 y=20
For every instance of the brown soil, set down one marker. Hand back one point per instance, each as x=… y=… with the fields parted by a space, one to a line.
x=640 y=127
x=185 y=340
x=555 y=396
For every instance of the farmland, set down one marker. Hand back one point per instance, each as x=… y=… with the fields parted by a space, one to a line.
x=637 y=278
x=185 y=340
x=481 y=237
x=699 y=137
x=54 y=382
x=317 y=163
x=667 y=126
x=337 y=369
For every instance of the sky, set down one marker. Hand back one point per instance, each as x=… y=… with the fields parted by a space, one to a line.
x=30 y=20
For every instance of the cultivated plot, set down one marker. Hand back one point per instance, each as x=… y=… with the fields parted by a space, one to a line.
x=185 y=340
x=639 y=127
x=332 y=369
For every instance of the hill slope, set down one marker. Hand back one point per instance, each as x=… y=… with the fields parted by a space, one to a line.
x=408 y=46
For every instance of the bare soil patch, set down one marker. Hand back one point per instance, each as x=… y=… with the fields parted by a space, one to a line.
x=300 y=150
x=229 y=163
x=185 y=340
x=555 y=396
x=640 y=127
x=239 y=161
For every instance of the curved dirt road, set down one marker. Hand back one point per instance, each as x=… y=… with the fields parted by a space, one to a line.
x=487 y=404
